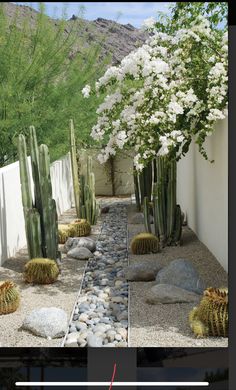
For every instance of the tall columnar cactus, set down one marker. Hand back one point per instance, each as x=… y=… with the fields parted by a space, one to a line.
x=143 y=185
x=88 y=205
x=40 y=214
x=166 y=213
x=74 y=167
x=137 y=190
x=146 y=212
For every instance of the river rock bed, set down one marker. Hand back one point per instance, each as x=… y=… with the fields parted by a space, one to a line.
x=100 y=317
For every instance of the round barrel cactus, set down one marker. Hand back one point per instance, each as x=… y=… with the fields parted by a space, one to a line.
x=144 y=243
x=41 y=271
x=9 y=297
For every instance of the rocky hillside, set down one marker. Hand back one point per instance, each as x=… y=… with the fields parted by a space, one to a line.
x=115 y=38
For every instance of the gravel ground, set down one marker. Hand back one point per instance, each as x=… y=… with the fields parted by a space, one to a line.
x=150 y=325
x=167 y=325
x=61 y=294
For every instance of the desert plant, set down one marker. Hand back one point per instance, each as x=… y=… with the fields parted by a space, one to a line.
x=210 y=318
x=167 y=214
x=146 y=212
x=44 y=65
x=41 y=271
x=9 y=297
x=65 y=231
x=143 y=184
x=81 y=228
x=74 y=168
x=161 y=179
x=144 y=243
x=89 y=208
x=40 y=214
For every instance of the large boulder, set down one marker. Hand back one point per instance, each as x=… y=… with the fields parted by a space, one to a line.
x=181 y=273
x=47 y=322
x=77 y=242
x=166 y=293
x=141 y=272
x=80 y=253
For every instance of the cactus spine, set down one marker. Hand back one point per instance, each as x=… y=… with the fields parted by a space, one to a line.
x=74 y=167
x=40 y=215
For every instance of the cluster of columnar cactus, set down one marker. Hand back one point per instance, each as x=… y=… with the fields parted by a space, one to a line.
x=166 y=213
x=144 y=243
x=89 y=208
x=75 y=169
x=41 y=271
x=39 y=210
x=83 y=183
x=143 y=185
x=210 y=318
x=9 y=297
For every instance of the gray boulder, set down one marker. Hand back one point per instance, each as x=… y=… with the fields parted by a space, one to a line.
x=77 y=242
x=181 y=273
x=166 y=293
x=47 y=322
x=80 y=253
x=141 y=272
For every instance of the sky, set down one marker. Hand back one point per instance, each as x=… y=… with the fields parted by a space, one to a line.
x=123 y=12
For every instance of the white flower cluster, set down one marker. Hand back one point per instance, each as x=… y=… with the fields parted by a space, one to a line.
x=86 y=91
x=149 y=23
x=167 y=92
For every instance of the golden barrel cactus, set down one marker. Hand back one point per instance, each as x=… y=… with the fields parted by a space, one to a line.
x=41 y=271
x=81 y=228
x=9 y=297
x=64 y=232
x=210 y=318
x=144 y=243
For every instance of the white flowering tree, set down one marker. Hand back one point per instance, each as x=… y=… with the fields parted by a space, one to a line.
x=163 y=96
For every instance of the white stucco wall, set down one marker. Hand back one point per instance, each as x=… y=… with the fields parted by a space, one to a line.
x=123 y=174
x=202 y=192
x=12 y=227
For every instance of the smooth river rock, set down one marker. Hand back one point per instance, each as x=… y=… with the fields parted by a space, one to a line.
x=80 y=253
x=76 y=242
